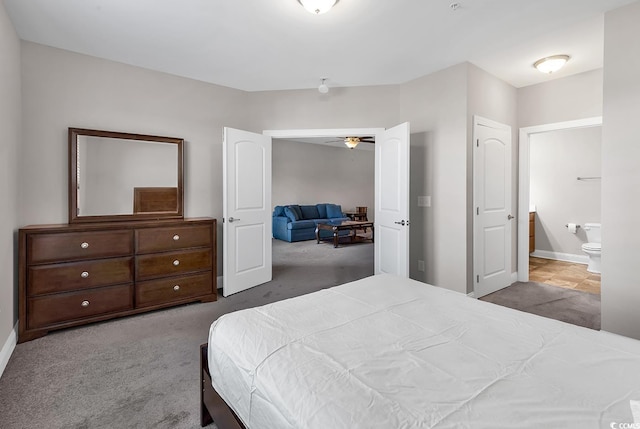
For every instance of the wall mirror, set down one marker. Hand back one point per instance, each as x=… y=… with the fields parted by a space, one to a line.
x=120 y=176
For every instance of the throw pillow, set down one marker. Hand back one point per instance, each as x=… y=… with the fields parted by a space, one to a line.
x=322 y=210
x=278 y=211
x=334 y=211
x=309 y=212
x=291 y=214
x=296 y=209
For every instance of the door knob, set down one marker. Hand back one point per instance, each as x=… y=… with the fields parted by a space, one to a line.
x=510 y=217
x=400 y=223
x=232 y=219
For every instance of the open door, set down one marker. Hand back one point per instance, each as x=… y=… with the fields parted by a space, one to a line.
x=246 y=231
x=391 y=251
x=492 y=204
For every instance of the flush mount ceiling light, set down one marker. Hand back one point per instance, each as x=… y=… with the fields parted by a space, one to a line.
x=323 y=88
x=551 y=64
x=318 y=7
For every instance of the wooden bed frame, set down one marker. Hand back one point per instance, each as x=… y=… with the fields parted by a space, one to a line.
x=212 y=406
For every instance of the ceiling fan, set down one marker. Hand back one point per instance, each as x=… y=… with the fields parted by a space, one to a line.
x=353 y=141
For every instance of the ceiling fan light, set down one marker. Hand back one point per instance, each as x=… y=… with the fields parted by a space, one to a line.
x=551 y=64
x=318 y=7
x=351 y=142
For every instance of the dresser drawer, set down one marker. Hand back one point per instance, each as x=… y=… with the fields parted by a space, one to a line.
x=43 y=279
x=70 y=246
x=64 y=307
x=173 y=238
x=172 y=263
x=163 y=291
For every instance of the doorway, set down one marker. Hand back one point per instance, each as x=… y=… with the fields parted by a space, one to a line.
x=565 y=199
x=307 y=173
x=247 y=190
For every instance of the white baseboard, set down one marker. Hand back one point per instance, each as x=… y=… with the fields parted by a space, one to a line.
x=471 y=294
x=8 y=348
x=567 y=257
x=219 y=282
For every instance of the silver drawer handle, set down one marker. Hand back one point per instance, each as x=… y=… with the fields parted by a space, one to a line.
x=176 y=288
x=84 y=245
x=84 y=274
x=85 y=303
x=176 y=262
x=176 y=237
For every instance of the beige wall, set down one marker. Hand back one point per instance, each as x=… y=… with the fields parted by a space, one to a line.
x=306 y=173
x=9 y=159
x=574 y=97
x=435 y=105
x=620 y=173
x=356 y=107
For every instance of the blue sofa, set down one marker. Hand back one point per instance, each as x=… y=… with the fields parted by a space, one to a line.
x=298 y=222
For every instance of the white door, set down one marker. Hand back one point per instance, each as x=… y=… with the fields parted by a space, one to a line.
x=246 y=231
x=391 y=250
x=493 y=218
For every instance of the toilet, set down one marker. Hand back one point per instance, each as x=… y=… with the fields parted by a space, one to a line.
x=592 y=247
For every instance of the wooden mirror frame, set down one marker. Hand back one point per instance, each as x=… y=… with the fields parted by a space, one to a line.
x=74 y=133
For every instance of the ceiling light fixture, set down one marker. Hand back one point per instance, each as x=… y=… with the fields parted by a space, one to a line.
x=323 y=88
x=318 y=7
x=551 y=64
x=351 y=142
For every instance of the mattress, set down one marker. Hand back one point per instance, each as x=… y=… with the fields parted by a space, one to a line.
x=388 y=352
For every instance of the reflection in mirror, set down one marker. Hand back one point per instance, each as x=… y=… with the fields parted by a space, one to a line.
x=124 y=176
x=110 y=169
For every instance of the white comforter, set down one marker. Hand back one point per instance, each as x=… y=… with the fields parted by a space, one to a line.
x=386 y=352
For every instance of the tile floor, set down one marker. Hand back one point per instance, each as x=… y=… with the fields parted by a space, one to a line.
x=563 y=274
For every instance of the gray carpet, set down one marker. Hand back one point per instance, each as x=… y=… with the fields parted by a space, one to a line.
x=142 y=371
x=572 y=306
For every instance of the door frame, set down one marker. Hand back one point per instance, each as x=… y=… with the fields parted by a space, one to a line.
x=524 y=179
x=321 y=132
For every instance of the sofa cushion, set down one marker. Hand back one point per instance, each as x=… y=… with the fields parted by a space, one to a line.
x=309 y=212
x=296 y=208
x=334 y=211
x=322 y=210
x=278 y=211
x=291 y=213
x=302 y=224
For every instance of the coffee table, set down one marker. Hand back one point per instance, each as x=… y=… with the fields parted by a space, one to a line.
x=345 y=225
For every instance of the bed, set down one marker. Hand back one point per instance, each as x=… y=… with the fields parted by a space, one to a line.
x=389 y=352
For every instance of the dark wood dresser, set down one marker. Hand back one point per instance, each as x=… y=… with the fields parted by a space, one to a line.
x=74 y=274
